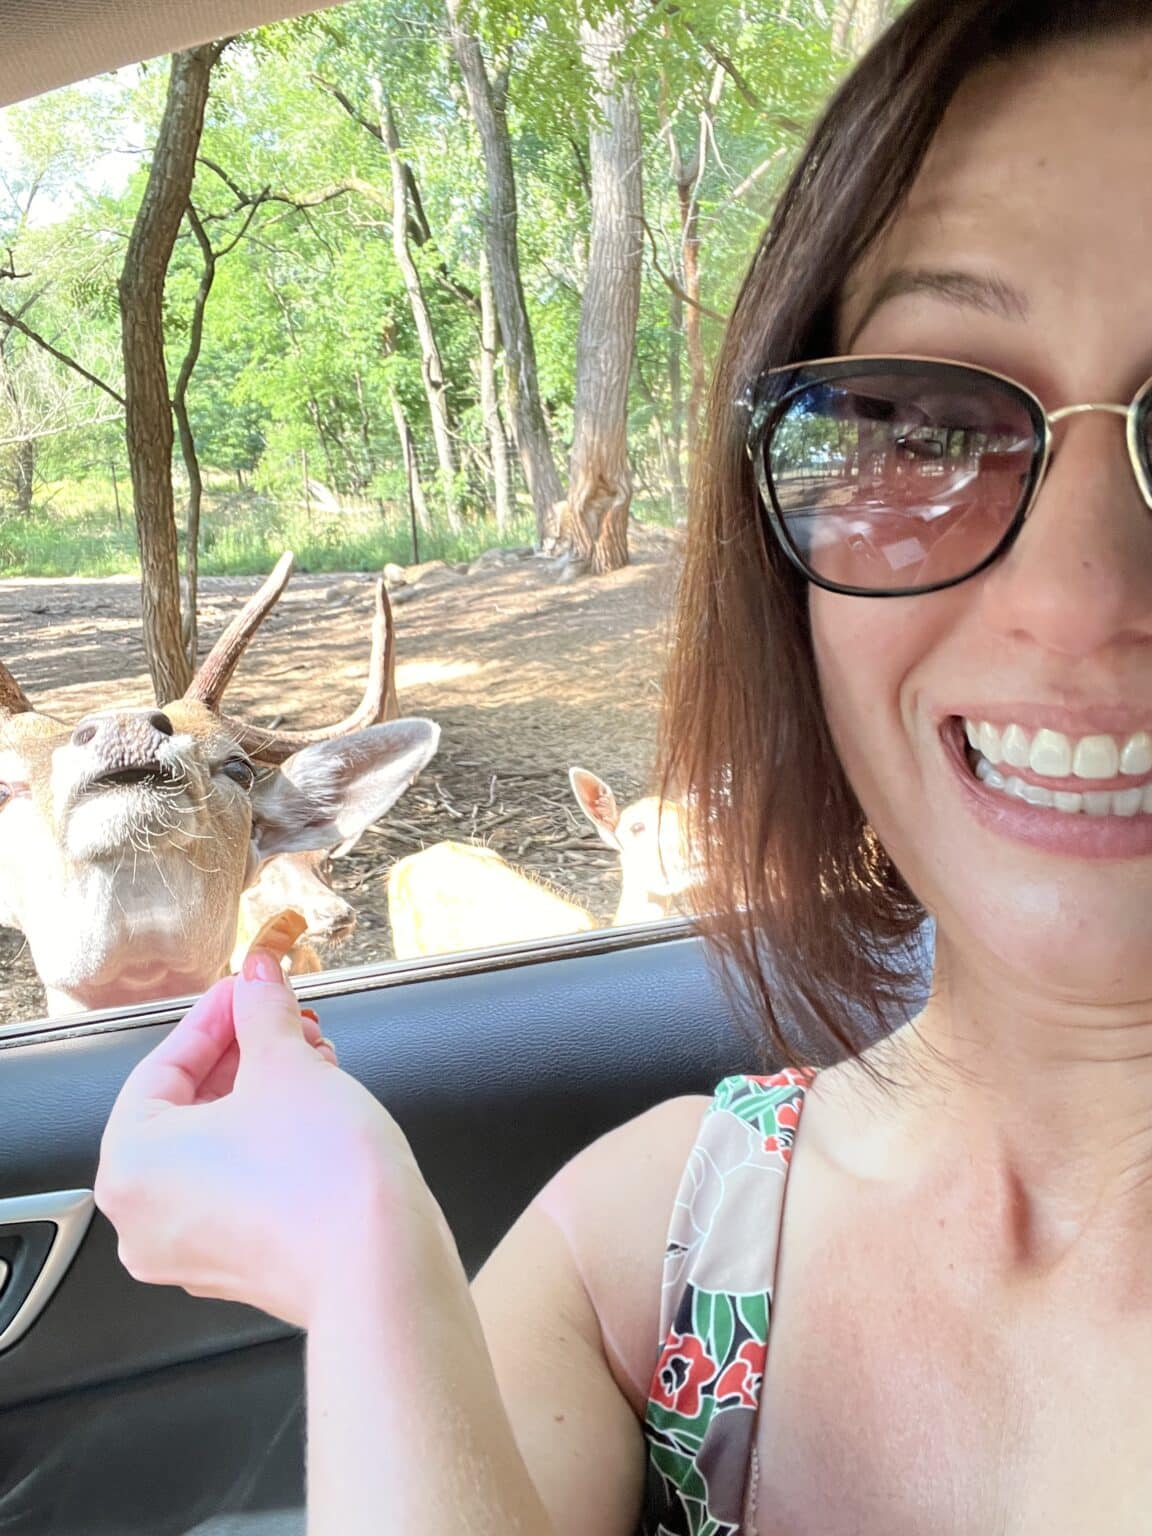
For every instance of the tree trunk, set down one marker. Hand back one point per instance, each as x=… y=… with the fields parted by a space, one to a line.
x=188 y=441
x=486 y=98
x=600 y=490
x=858 y=23
x=418 y=504
x=23 y=455
x=148 y=406
x=24 y=475
x=432 y=366
x=490 y=398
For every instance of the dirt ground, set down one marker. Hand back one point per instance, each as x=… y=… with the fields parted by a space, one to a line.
x=526 y=674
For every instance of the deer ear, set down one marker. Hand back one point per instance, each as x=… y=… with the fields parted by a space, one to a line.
x=597 y=802
x=329 y=793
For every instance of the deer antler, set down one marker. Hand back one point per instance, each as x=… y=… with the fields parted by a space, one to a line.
x=13 y=699
x=266 y=746
x=377 y=702
x=215 y=671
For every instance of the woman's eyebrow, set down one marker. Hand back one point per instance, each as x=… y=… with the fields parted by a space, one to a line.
x=965 y=290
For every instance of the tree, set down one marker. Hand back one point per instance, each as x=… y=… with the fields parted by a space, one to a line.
x=859 y=23
x=147 y=402
x=600 y=488
x=487 y=100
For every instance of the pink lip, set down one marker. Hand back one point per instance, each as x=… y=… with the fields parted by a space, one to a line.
x=1052 y=831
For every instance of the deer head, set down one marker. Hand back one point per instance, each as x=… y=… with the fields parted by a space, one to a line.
x=657 y=866
x=127 y=839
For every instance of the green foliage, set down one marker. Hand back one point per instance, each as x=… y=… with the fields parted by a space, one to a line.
x=244 y=533
x=309 y=342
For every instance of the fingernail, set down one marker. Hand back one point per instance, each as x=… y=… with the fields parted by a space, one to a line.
x=326 y=1044
x=262 y=965
x=310 y=1013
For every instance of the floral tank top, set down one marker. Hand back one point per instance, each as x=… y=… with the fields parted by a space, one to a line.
x=716 y=1307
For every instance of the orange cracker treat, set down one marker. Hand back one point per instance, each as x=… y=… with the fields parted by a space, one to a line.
x=281 y=933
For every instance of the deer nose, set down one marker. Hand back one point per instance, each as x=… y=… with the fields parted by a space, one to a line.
x=120 y=729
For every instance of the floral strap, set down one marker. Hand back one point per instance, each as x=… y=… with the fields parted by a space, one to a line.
x=716 y=1305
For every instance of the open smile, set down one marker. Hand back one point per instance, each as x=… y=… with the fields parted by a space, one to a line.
x=1089 y=795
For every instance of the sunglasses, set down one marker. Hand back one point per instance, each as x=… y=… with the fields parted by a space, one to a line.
x=894 y=476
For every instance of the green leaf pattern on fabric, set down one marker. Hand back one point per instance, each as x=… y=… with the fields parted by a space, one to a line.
x=716 y=1308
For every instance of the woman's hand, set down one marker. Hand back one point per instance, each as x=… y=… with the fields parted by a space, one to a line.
x=241 y=1163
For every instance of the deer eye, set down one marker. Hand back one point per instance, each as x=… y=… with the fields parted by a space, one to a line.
x=240 y=771
x=5 y=795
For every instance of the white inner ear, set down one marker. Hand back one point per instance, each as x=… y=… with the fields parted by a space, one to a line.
x=329 y=793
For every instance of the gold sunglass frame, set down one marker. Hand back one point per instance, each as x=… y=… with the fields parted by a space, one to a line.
x=767 y=399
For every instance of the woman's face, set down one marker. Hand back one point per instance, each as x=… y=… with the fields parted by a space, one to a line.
x=1039 y=190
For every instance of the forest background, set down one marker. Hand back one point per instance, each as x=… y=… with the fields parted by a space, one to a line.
x=395 y=281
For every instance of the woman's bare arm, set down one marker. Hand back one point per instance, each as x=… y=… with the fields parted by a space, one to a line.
x=570 y=1303
x=240 y=1163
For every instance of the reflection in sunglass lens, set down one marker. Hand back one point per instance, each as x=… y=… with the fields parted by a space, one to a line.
x=894 y=480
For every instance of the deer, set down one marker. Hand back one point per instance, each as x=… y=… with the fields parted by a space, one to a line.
x=657 y=865
x=128 y=839
x=295 y=882
x=454 y=896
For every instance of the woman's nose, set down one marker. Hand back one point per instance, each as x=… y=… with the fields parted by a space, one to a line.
x=1078 y=579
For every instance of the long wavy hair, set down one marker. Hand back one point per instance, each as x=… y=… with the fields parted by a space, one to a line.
x=813 y=924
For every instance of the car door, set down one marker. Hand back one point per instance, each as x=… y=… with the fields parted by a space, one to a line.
x=140 y=1411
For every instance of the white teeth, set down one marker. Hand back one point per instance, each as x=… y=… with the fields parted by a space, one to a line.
x=1014 y=746
x=1053 y=755
x=1096 y=757
x=1050 y=755
x=1092 y=802
x=1136 y=758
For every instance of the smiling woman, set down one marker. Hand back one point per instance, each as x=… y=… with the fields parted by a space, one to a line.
x=913 y=676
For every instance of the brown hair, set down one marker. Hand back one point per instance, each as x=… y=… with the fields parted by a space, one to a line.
x=814 y=925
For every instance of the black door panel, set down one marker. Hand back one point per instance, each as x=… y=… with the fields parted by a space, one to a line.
x=497 y=1078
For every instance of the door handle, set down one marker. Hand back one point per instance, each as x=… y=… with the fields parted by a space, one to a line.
x=39 y=1236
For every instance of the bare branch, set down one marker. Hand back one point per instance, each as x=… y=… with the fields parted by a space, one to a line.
x=17 y=324
x=10 y=270
x=375 y=129
x=674 y=286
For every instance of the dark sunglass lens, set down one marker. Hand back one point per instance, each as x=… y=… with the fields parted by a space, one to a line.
x=888 y=480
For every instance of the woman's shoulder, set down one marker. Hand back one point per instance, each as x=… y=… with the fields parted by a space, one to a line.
x=614 y=1203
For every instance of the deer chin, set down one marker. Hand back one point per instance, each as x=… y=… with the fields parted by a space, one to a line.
x=137 y=983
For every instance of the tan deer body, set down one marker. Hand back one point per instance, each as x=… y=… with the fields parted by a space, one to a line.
x=454 y=897
x=127 y=840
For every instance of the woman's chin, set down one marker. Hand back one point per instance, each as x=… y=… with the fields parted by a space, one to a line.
x=1059 y=940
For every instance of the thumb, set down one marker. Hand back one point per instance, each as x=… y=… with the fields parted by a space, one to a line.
x=265 y=1012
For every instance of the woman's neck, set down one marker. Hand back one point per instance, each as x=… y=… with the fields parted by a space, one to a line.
x=1043 y=1106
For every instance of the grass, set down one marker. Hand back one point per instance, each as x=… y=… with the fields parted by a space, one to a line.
x=75 y=532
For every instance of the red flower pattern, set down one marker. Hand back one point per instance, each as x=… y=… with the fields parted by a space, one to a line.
x=741 y=1378
x=787 y=1119
x=685 y=1367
